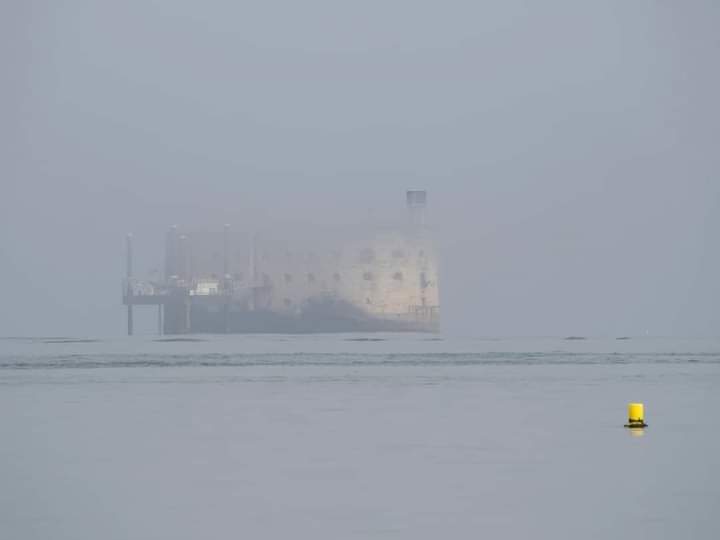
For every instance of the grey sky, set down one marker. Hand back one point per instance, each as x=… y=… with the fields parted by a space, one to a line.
x=569 y=148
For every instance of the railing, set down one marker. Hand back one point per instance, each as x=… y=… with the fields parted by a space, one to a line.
x=144 y=288
x=424 y=312
x=137 y=287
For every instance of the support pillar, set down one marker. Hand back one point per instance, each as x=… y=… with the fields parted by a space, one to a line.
x=226 y=283
x=186 y=330
x=129 y=291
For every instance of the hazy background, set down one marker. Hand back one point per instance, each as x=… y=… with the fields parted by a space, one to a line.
x=570 y=149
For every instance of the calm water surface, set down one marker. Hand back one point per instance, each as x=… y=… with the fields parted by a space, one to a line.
x=346 y=436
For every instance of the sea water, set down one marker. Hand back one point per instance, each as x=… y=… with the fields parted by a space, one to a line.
x=352 y=436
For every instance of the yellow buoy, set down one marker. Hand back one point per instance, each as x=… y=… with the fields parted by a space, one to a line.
x=636 y=416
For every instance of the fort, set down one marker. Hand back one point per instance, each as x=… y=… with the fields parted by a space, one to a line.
x=339 y=279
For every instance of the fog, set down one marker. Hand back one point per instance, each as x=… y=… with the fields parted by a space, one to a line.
x=569 y=149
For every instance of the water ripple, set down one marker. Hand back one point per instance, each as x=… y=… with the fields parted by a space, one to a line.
x=91 y=361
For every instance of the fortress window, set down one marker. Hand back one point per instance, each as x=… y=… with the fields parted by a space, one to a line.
x=397 y=276
x=398 y=254
x=421 y=253
x=288 y=278
x=368 y=301
x=336 y=277
x=287 y=302
x=311 y=278
x=367 y=276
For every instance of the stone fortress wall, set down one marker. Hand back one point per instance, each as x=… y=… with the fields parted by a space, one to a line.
x=383 y=273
